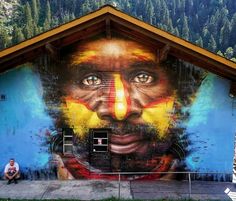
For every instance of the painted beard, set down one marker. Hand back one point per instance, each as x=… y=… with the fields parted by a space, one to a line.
x=133 y=148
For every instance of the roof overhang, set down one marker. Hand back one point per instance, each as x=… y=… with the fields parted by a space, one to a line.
x=108 y=21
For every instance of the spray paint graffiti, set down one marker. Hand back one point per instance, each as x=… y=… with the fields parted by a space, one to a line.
x=157 y=116
x=23 y=123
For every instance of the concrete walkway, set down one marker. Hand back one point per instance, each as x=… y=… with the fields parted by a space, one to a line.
x=100 y=189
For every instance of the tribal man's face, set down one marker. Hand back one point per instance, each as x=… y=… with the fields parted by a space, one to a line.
x=118 y=84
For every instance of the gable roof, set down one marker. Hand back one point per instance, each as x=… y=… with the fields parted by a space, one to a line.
x=108 y=20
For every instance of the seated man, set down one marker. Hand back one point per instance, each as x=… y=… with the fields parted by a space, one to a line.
x=11 y=171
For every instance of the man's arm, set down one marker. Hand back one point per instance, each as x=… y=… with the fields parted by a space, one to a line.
x=6 y=172
x=14 y=174
x=8 y=176
x=17 y=170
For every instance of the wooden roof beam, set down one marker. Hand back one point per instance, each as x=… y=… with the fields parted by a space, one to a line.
x=119 y=30
x=108 y=28
x=30 y=45
x=53 y=51
x=163 y=53
x=206 y=64
x=183 y=49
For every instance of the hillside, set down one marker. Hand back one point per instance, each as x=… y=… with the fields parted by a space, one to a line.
x=210 y=24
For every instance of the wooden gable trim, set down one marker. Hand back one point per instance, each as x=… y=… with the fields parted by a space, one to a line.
x=109 y=18
x=169 y=38
x=181 y=48
x=55 y=31
x=27 y=48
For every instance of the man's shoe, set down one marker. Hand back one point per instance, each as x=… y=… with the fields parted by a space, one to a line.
x=8 y=182
x=15 y=181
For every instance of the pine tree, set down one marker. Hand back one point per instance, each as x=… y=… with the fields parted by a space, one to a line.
x=235 y=50
x=167 y=21
x=212 y=25
x=199 y=42
x=28 y=29
x=224 y=35
x=72 y=16
x=28 y=15
x=185 y=28
x=17 y=35
x=176 y=31
x=220 y=53
x=86 y=8
x=233 y=29
x=4 y=39
x=229 y=53
x=195 y=24
x=36 y=29
x=233 y=59
x=205 y=36
x=126 y=5
x=163 y=10
x=66 y=18
x=173 y=10
x=48 y=13
x=188 y=7
x=157 y=11
x=48 y=17
x=149 y=11
x=223 y=17
x=35 y=11
x=212 y=44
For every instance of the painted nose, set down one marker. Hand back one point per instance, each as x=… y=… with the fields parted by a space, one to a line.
x=120 y=106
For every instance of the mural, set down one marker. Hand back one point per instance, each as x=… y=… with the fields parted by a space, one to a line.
x=110 y=106
x=24 y=123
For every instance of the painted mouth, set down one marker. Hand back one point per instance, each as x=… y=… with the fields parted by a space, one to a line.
x=128 y=143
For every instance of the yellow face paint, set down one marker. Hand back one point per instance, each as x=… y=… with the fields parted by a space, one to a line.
x=160 y=116
x=139 y=53
x=120 y=106
x=80 y=118
x=77 y=59
x=111 y=49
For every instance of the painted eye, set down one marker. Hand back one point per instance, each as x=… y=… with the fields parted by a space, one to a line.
x=143 y=78
x=92 y=80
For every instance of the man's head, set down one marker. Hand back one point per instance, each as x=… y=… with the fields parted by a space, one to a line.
x=119 y=84
x=12 y=161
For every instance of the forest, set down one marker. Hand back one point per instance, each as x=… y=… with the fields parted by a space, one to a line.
x=210 y=24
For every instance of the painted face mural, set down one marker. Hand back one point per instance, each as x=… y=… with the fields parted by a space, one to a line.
x=124 y=110
x=119 y=85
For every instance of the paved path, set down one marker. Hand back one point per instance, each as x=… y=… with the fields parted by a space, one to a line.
x=99 y=189
x=200 y=190
x=75 y=189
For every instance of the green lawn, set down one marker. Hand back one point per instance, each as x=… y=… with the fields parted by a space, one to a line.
x=109 y=199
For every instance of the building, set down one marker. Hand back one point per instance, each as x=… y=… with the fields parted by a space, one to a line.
x=109 y=93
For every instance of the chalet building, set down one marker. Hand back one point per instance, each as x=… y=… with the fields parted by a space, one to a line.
x=108 y=93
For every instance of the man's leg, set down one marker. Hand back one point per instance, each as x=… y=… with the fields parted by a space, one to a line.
x=15 y=178
x=7 y=177
x=9 y=181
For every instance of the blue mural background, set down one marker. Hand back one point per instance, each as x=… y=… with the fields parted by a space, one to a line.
x=211 y=127
x=24 y=123
x=23 y=120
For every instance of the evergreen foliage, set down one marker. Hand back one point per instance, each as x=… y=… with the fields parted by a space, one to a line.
x=209 y=24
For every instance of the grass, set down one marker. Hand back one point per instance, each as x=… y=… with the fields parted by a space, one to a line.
x=108 y=199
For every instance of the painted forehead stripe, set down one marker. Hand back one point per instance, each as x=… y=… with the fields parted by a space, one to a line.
x=92 y=55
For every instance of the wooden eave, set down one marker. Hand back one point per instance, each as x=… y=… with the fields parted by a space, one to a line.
x=109 y=21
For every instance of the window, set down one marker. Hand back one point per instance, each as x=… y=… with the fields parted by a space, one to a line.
x=100 y=140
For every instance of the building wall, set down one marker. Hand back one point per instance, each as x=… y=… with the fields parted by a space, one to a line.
x=160 y=117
